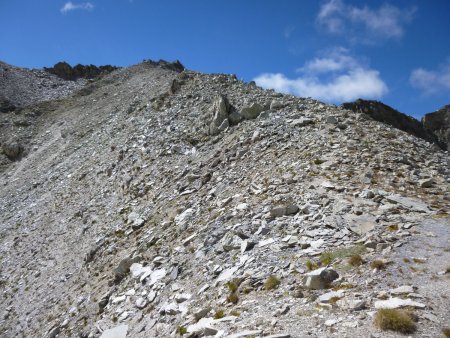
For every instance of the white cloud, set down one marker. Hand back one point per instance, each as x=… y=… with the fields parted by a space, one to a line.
x=70 y=6
x=335 y=78
x=364 y=24
x=432 y=81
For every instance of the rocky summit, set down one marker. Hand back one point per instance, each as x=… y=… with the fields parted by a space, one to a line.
x=155 y=201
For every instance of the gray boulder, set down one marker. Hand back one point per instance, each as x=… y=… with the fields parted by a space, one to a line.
x=219 y=113
x=252 y=112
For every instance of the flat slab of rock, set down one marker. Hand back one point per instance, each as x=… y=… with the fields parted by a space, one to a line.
x=226 y=274
x=244 y=334
x=402 y=289
x=360 y=224
x=116 y=332
x=327 y=297
x=204 y=327
x=409 y=203
x=395 y=303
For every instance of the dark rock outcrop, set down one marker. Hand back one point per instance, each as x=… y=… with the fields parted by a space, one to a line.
x=439 y=124
x=388 y=115
x=176 y=65
x=67 y=72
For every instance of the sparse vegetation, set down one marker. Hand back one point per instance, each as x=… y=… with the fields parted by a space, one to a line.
x=233 y=298
x=311 y=265
x=419 y=260
x=395 y=320
x=392 y=227
x=355 y=260
x=343 y=286
x=317 y=161
x=181 y=330
x=272 y=282
x=233 y=285
x=328 y=257
x=446 y=332
x=377 y=264
x=235 y=313
x=219 y=314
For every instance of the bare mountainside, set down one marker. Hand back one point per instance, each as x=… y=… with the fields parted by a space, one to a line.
x=162 y=202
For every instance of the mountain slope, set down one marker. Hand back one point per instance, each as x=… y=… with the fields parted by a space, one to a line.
x=138 y=197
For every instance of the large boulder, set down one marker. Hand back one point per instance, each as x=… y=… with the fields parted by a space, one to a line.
x=219 y=115
x=252 y=112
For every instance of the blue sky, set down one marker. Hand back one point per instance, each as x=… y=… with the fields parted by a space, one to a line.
x=397 y=52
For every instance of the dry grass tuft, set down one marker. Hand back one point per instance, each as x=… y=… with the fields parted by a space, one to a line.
x=328 y=256
x=219 y=314
x=233 y=298
x=271 y=283
x=395 y=320
x=311 y=265
x=446 y=332
x=355 y=260
x=377 y=264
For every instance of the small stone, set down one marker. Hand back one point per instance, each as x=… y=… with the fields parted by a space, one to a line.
x=275 y=104
x=352 y=304
x=330 y=322
x=141 y=303
x=151 y=296
x=282 y=311
x=426 y=183
x=170 y=309
x=333 y=295
x=301 y=122
x=402 y=289
x=182 y=297
x=188 y=240
x=201 y=313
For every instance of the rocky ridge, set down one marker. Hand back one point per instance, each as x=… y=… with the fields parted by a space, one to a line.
x=434 y=127
x=67 y=72
x=158 y=202
x=438 y=122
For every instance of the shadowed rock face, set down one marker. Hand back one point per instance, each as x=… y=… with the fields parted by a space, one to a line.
x=439 y=124
x=388 y=115
x=67 y=72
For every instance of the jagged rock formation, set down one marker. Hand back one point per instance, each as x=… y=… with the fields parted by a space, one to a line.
x=67 y=72
x=125 y=215
x=383 y=113
x=439 y=124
